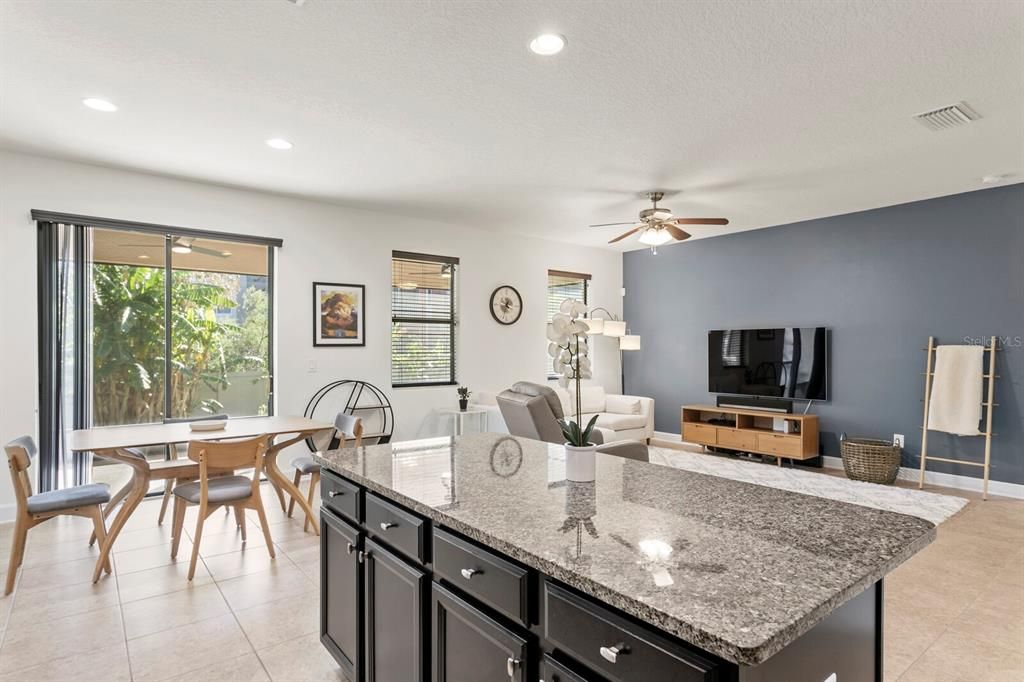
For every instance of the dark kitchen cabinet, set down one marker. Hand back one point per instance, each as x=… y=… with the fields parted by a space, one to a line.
x=341 y=592
x=553 y=671
x=470 y=646
x=395 y=609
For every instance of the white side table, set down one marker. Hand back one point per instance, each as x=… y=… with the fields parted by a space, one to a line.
x=459 y=419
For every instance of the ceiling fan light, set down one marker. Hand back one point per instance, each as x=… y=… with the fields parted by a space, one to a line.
x=655 y=236
x=181 y=248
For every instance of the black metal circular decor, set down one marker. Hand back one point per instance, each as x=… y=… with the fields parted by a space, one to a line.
x=351 y=396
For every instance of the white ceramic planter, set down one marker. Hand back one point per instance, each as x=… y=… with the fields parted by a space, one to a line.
x=580 y=463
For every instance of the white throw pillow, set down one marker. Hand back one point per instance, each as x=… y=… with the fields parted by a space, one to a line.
x=620 y=404
x=592 y=398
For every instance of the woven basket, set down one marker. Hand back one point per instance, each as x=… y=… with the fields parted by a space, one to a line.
x=867 y=459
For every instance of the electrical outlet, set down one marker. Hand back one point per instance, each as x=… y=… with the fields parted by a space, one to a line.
x=897 y=439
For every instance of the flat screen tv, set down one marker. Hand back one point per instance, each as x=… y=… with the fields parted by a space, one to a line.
x=785 y=362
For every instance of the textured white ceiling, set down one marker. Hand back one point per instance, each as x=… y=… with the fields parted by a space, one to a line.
x=762 y=112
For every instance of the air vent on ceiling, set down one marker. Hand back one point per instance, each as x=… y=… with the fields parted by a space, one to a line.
x=948 y=117
x=296 y=2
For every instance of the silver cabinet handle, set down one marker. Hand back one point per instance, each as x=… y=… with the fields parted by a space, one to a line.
x=384 y=525
x=511 y=665
x=351 y=548
x=468 y=573
x=334 y=493
x=611 y=653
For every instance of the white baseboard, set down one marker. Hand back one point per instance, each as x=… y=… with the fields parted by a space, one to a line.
x=1001 y=488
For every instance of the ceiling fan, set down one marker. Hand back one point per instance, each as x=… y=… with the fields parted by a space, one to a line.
x=658 y=226
x=183 y=245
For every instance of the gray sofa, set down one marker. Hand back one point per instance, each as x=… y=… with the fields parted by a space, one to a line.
x=532 y=411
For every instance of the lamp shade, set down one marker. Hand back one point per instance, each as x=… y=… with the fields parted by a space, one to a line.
x=595 y=325
x=629 y=342
x=614 y=328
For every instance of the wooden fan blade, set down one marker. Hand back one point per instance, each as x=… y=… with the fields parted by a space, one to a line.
x=701 y=221
x=631 y=222
x=626 y=234
x=677 y=234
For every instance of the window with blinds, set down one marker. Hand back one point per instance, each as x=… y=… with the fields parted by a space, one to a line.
x=563 y=285
x=422 y=319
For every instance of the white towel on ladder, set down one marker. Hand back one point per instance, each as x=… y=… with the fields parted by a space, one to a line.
x=955 y=404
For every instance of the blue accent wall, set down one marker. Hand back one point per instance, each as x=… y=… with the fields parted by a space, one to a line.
x=882 y=280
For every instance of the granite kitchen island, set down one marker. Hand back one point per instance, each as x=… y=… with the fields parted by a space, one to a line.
x=478 y=558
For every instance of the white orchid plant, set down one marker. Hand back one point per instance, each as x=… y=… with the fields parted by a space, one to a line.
x=570 y=360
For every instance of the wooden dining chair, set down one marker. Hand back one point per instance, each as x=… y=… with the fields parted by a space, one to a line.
x=345 y=426
x=32 y=510
x=209 y=492
x=172 y=453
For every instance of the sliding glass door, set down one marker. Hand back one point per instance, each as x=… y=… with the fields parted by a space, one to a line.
x=153 y=327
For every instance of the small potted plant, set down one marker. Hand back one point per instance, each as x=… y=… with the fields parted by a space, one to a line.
x=568 y=350
x=463 y=397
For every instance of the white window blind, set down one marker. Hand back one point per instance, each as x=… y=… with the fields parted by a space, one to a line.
x=423 y=298
x=563 y=285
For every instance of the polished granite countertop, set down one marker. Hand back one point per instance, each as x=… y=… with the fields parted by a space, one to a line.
x=736 y=569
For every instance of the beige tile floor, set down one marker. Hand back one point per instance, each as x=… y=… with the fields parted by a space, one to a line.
x=954 y=613
x=243 y=617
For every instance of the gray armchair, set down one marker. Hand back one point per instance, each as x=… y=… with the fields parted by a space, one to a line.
x=532 y=411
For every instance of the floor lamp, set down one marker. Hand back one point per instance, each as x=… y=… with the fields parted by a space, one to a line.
x=614 y=327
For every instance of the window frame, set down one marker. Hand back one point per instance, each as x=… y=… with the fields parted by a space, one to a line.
x=451 y=321
x=79 y=227
x=585 y=278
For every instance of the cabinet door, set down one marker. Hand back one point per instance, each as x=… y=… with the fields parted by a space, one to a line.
x=553 y=671
x=395 y=607
x=341 y=592
x=470 y=646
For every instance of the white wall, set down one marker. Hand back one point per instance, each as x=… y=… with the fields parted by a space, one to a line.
x=322 y=242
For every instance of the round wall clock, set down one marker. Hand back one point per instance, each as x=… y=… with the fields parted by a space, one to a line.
x=506 y=305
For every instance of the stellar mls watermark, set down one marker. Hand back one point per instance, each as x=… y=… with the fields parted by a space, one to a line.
x=1001 y=341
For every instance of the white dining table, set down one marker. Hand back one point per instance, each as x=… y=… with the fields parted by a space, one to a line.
x=114 y=442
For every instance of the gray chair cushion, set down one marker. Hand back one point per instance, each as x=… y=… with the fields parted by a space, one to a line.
x=627 y=449
x=69 y=498
x=225 y=489
x=305 y=464
x=529 y=388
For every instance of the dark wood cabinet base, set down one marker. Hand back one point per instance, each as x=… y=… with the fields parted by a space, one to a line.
x=388 y=615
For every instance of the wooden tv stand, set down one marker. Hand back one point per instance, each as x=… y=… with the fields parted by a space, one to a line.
x=752 y=431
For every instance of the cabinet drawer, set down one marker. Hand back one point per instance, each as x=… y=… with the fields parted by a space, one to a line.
x=493 y=580
x=340 y=496
x=618 y=649
x=401 y=529
x=741 y=440
x=778 y=444
x=699 y=433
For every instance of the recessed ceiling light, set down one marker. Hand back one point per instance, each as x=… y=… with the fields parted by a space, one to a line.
x=99 y=104
x=225 y=253
x=279 y=143
x=143 y=256
x=992 y=179
x=548 y=44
